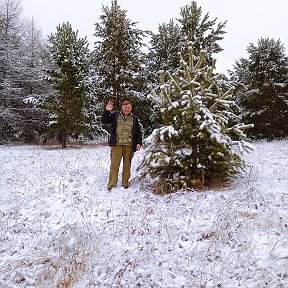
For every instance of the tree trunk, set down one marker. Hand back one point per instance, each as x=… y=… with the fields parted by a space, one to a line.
x=64 y=140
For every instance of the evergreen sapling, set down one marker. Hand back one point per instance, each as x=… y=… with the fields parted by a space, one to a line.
x=201 y=141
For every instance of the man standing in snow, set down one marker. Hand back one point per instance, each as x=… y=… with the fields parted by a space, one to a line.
x=125 y=139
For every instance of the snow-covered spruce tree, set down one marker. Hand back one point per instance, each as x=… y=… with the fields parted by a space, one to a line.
x=69 y=106
x=264 y=98
x=201 y=141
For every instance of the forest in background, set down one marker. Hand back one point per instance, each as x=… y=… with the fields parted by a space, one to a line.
x=38 y=77
x=195 y=121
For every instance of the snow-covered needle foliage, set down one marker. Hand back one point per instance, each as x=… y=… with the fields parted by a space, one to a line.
x=200 y=140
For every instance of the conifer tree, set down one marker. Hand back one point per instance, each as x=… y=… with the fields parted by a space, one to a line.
x=119 y=59
x=69 y=106
x=202 y=31
x=163 y=49
x=173 y=37
x=202 y=140
x=33 y=85
x=264 y=98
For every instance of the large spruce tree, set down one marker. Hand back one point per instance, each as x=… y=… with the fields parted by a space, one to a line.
x=264 y=98
x=201 y=140
x=69 y=106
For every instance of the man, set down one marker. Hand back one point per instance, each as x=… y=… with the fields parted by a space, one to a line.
x=125 y=139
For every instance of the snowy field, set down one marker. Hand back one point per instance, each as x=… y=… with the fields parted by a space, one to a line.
x=59 y=227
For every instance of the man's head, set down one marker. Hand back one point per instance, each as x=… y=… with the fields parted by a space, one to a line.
x=126 y=108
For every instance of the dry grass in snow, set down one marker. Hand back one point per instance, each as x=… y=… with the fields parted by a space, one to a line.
x=59 y=227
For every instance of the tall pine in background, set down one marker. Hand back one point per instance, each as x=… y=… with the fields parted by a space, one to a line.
x=174 y=36
x=201 y=30
x=118 y=57
x=201 y=141
x=70 y=105
x=264 y=97
x=163 y=49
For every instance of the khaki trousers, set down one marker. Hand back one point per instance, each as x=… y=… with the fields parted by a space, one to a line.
x=117 y=153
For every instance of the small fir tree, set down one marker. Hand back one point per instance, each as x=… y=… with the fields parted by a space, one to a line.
x=201 y=141
x=69 y=107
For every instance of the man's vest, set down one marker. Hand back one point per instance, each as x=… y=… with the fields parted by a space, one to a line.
x=124 y=130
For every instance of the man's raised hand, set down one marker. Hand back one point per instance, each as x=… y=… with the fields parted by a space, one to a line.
x=109 y=106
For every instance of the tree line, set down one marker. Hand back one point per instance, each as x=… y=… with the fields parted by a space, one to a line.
x=59 y=87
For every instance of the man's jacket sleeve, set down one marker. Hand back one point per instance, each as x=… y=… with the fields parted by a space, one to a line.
x=106 y=117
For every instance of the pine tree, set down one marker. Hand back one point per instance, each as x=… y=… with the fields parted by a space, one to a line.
x=265 y=97
x=172 y=38
x=201 y=141
x=69 y=107
x=119 y=59
x=163 y=49
x=203 y=32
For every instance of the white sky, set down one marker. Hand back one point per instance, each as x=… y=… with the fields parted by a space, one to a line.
x=247 y=20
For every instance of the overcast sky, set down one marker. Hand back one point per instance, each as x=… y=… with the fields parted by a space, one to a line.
x=247 y=20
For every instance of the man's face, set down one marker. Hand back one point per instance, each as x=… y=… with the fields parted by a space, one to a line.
x=126 y=109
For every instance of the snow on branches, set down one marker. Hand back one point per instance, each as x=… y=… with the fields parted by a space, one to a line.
x=200 y=139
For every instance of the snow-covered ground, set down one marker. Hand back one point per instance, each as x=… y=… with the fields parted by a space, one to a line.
x=61 y=228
